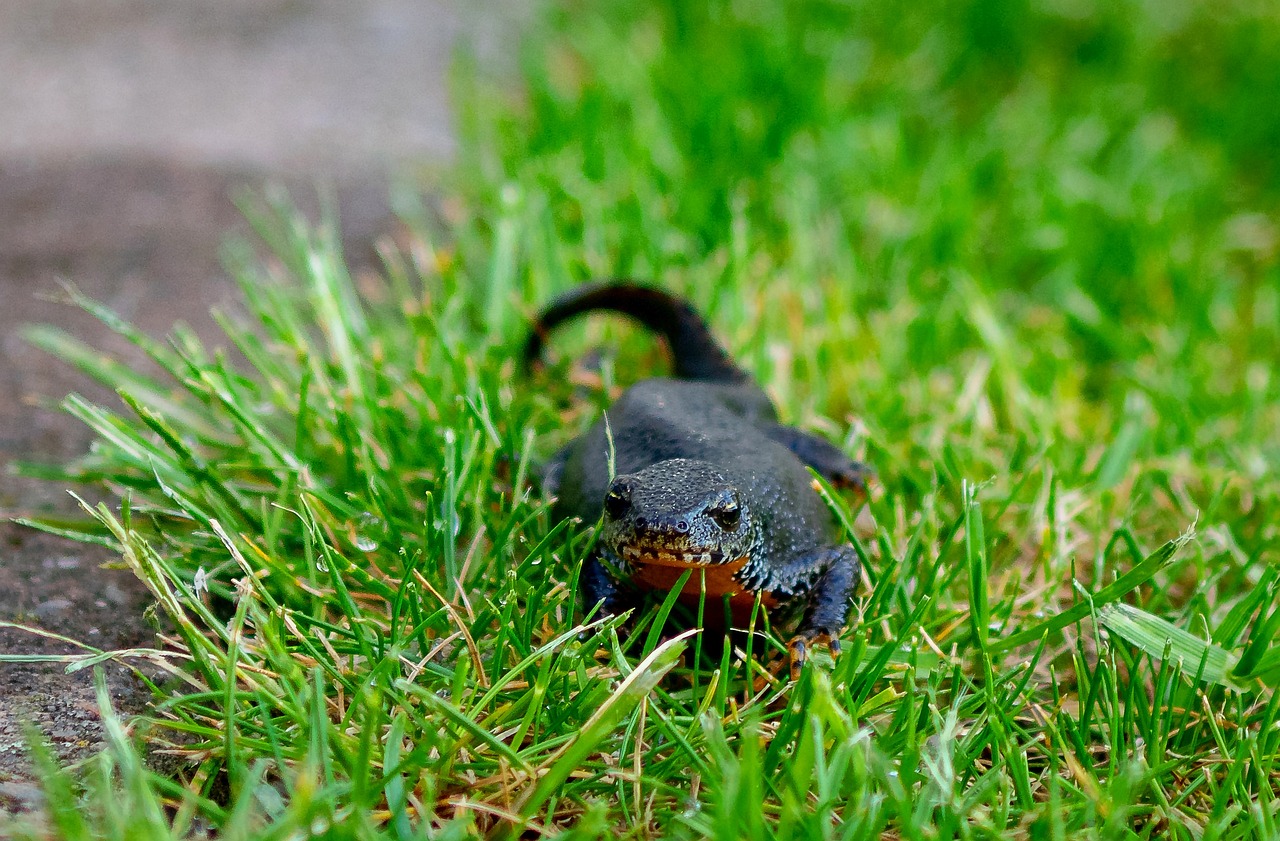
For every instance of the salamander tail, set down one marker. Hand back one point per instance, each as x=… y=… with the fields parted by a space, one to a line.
x=696 y=353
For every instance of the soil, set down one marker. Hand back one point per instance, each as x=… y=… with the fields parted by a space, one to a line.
x=129 y=125
x=143 y=238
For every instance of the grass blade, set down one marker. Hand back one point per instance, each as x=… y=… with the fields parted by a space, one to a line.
x=1164 y=640
x=1136 y=577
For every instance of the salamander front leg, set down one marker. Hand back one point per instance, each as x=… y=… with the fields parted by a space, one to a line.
x=600 y=588
x=828 y=601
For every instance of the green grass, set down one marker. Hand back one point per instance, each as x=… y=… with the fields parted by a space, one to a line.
x=1020 y=256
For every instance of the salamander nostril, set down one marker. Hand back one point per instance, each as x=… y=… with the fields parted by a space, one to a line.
x=682 y=526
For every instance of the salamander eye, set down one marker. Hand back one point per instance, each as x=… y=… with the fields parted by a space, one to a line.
x=727 y=514
x=618 y=501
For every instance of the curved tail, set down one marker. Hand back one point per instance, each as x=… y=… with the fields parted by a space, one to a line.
x=696 y=353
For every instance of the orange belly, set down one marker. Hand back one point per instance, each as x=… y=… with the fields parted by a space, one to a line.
x=715 y=580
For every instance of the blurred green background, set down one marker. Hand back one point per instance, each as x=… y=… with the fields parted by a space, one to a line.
x=1063 y=210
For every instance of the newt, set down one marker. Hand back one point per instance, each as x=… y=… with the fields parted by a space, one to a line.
x=704 y=478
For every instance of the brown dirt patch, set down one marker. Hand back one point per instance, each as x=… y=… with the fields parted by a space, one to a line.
x=142 y=237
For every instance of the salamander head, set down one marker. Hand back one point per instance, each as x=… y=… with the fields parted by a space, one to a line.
x=678 y=512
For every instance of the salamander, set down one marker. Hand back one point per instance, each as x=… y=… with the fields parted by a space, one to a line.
x=704 y=478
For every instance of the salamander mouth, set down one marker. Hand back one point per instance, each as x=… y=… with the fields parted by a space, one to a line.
x=662 y=556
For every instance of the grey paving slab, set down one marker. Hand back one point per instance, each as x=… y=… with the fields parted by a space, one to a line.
x=264 y=83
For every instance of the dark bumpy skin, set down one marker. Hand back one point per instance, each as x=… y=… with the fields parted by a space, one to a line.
x=705 y=479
